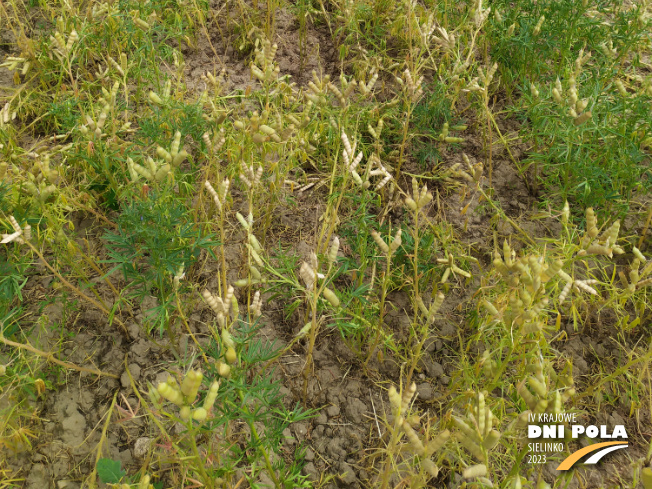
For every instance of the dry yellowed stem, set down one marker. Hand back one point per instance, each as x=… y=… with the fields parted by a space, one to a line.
x=76 y=290
x=51 y=358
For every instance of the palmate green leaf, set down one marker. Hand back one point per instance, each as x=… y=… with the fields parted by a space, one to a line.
x=109 y=471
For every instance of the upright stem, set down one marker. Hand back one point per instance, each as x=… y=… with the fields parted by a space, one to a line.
x=415 y=291
x=381 y=316
x=311 y=345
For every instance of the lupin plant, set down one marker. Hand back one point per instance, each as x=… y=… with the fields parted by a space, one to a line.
x=385 y=280
x=544 y=390
x=238 y=354
x=478 y=436
x=157 y=171
x=413 y=455
x=315 y=287
x=184 y=395
x=420 y=326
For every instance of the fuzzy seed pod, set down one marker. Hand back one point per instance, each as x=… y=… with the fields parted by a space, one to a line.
x=308 y=275
x=538 y=387
x=191 y=383
x=305 y=330
x=227 y=339
x=491 y=308
x=199 y=414
x=537 y=28
x=491 y=440
x=638 y=254
x=170 y=393
x=379 y=241
x=255 y=273
x=556 y=95
x=413 y=438
x=184 y=413
x=394 y=399
x=437 y=443
x=591 y=223
x=471 y=446
x=141 y=24
x=215 y=303
x=533 y=91
x=583 y=284
x=330 y=296
x=596 y=249
x=473 y=471
x=231 y=356
x=257 y=304
x=224 y=370
x=396 y=242
x=527 y=396
x=211 y=396
x=242 y=220
x=332 y=251
x=3 y=369
x=412 y=205
x=430 y=467
x=255 y=244
x=610 y=236
x=582 y=118
x=565 y=291
x=154 y=98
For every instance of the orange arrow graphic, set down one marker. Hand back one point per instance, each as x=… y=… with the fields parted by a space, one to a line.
x=574 y=457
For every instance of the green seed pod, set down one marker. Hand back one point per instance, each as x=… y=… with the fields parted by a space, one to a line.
x=526 y=395
x=541 y=406
x=380 y=242
x=538 y=387
x=255 y=244
x=162 y=173
x=154 y=98
x=412 y=205
x=591 y=223
x=170 y=393
x=184 y=413
x=199 y=414
x=242 y=220
x=437 y=443
x=491 y=440
x=471 y=446
x=254 y=272
x=582 y=118
x=224 y=370
x=191 y=383
x=211 y=396
x=330 y=296
x=474 y=471
x=231 y=356
x=332 y=251
x=141 y=24
x=227 y=339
